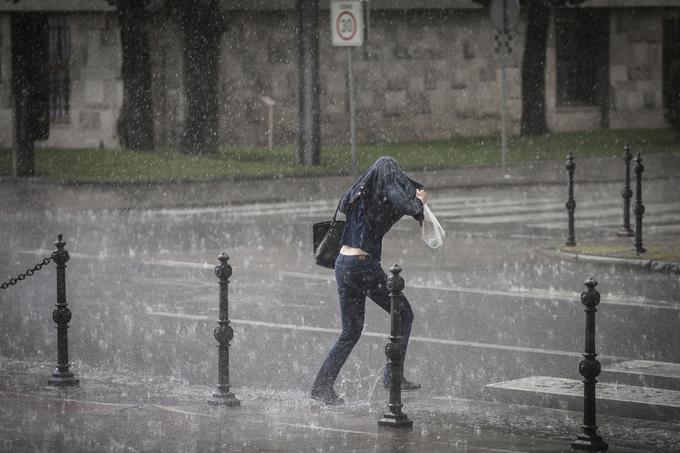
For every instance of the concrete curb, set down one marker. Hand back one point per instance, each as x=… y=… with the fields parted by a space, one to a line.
x=665 y=267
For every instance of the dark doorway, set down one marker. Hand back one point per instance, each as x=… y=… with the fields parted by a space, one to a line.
x=582 y=59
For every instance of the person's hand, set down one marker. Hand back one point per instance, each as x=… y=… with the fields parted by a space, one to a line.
x=421 y=195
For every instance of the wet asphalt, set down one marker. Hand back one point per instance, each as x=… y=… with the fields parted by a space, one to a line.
x=495 y=303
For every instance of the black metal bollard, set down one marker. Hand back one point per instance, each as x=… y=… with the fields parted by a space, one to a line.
x=639 y=209
x=61 y=376
x=570 y=204
x=223 y=334
x=627 y=194
x=590 y=369
x=395 y=418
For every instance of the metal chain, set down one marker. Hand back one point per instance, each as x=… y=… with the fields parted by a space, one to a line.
x=28 y=273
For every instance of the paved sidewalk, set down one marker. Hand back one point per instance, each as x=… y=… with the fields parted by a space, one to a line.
x=127 y=413
x=41 y=193
x=664 y=267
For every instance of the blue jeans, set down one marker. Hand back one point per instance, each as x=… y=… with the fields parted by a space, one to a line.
x=357 y=278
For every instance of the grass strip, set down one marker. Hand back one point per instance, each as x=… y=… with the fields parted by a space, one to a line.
x=123 y=166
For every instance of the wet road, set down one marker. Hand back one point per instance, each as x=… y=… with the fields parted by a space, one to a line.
x=493 y=304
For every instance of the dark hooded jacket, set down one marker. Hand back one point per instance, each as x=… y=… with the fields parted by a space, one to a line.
x=381 y=196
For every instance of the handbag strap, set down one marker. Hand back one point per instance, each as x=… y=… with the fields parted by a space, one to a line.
x=336 y=212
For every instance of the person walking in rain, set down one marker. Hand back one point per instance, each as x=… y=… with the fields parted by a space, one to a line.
x=378 y=198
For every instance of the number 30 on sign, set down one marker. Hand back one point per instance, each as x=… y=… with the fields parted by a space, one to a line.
x=347 y=22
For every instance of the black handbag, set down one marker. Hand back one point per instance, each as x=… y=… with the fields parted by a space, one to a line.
x=326 y=238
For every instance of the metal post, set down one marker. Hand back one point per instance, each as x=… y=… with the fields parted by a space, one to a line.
x=590 y=369
x=352 y=114
x=504 y=133
x=395 y=418
x=270 y=125
x=571 y=204
x=223 y=334
x=627 y=194
x=61 y=376
x=639 y=209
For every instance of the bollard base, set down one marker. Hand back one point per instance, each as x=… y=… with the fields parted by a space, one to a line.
x=390 y=420
x=60 y=379
x=224 y=399
x=585 y=442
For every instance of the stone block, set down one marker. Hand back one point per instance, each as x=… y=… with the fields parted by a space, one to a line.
x=618 y=73
x=88 y=119
x=635 y=100
x=469 y=51
x=334 y=82
x=94 y=92
x=648 y=100
x=397 y=85
x=430 y=80
x=367 y=100
x=395 y=100
x=487 y=73
x=641 y=54
x=442 y=101
x=334 y=104
x=280 y=52
x=640 y=73
x=416 y=84
x=418 y=103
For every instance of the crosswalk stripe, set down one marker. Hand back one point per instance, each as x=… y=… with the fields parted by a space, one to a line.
x=658 y=220
x=546 y=213
x=580 y=214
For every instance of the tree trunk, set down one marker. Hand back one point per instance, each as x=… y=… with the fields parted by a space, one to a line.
x=30 y=87
x=135 y=123
x=533 y=69
x=308 y=136
x=202 y=24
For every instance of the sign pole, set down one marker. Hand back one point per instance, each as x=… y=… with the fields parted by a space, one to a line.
x=504 y=133
x=352 y=115
x=348 y=29
x=504 y=17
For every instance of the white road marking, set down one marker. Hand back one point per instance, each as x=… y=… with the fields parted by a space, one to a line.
x=530 y=293
x=180 y=264
x=417 y=339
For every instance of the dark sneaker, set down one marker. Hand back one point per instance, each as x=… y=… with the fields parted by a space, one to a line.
x=327 y=397
x=406 y=386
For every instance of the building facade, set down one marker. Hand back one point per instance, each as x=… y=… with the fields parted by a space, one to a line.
x=429 y=71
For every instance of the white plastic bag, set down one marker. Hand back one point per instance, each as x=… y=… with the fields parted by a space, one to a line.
x=432 y=232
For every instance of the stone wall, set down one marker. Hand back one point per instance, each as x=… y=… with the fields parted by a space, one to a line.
x=423 y=74
x=636 y=68
x=635 y=76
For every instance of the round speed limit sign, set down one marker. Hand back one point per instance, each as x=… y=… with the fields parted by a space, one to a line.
x=347 y=22
x=346 y=26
